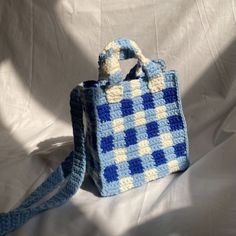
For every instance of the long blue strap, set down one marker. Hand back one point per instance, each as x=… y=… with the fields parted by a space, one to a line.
x=70 y=174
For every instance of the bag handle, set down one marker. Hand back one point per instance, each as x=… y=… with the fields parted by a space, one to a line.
x=119 y=49
x=110 y=73
x=136 y=71
x=70 y=173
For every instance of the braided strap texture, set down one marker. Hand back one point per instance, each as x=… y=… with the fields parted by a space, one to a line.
x=136 y=130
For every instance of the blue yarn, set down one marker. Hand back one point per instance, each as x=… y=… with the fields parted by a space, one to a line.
x=104 y=112
x=159 y=157
x=130 y=137
x=152 y=129
x=126 y=107
x=148 y=102
x=107 y=143
x=110 y=173
x=135 y=166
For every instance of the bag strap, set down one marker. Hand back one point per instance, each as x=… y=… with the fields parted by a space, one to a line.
x=69 y=175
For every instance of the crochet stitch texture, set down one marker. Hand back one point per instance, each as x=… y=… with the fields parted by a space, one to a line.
x=136 y=131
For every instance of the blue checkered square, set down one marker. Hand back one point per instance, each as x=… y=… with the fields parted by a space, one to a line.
x=170 y=95
x=104 y=112
x=126 y=107
x=159 y=157
x=110 y=173
x=130 y=137
x=175 y=122
x=107 y=143
x=148 y=102
x=135 y=166
x=180 y=149
x=152 y=129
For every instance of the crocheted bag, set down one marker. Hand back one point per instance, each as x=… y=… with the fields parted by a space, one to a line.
x=135 y=132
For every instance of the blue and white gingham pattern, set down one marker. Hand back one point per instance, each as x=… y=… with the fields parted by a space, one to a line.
x=134 y=165
x=139 y=136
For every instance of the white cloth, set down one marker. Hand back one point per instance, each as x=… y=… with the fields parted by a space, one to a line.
x=47 y=47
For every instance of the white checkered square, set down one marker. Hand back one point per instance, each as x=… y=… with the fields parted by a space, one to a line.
x=120 y=155
x=126 y=183
x=161 y=112
x=135 y=88
x=144 y=148
x=150 y=175
x=118 y=125
x=139 y=118
x=173 y=166
x=156 y=84
x=166 y=140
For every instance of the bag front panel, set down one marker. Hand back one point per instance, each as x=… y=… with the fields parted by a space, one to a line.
x=141 y=138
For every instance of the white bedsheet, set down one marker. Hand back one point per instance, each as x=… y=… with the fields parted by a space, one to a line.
x=47 y=47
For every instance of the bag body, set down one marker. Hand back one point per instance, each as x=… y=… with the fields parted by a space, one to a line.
x=135 y=128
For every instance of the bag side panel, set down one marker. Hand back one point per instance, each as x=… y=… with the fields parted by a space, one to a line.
x=93 y=162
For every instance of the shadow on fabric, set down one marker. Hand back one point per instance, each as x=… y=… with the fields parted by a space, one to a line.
x=48 y=61
x=53 y=152
x=39 y=74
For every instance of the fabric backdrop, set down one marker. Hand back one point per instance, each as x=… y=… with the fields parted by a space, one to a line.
x=47 y=47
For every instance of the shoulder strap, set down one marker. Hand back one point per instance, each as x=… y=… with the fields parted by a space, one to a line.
x=68 y=178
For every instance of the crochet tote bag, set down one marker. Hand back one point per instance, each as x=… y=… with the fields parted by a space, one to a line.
x=135 y=133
